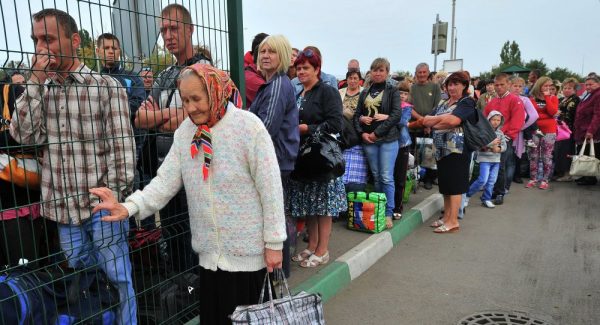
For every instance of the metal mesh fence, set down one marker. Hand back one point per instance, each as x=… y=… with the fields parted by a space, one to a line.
x=89 y=99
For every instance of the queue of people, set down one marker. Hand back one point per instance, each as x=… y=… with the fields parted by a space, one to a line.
x=116 y=145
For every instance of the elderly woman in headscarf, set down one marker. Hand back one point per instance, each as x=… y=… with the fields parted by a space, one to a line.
x=225 y=160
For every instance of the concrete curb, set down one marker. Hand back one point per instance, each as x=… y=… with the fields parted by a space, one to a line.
x=337 y=275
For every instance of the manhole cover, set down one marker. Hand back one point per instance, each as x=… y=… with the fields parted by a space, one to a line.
x=501 y=318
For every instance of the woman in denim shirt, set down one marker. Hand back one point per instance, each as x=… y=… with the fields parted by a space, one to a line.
x=453 y=157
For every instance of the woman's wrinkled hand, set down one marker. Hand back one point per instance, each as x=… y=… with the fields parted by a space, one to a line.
x=273 y=259
x=109 y=203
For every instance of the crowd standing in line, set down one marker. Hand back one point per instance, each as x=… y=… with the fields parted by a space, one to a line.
x=222 y=178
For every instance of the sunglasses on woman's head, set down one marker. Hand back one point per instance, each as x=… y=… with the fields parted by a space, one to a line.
x=307 y=53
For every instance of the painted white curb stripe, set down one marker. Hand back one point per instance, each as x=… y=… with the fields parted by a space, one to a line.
x=362 y=256
x=368 y=252
x=430 y=206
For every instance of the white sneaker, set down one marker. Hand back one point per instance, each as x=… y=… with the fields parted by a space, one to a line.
x=466 y=201
x=488 y=204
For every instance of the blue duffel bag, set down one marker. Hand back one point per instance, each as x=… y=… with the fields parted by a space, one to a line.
x=45 y=297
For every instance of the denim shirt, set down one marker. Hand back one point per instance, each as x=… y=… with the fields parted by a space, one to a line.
x=404 y=140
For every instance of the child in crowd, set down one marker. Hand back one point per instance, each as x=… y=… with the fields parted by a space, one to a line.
x=489 y=162
x=404 y=142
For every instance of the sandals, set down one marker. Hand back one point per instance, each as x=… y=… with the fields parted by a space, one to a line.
x=444 y=230
x=314 y=261
x=437 y=223
x=304 y=255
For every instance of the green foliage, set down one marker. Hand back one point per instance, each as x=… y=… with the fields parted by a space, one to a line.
x=86 y=40
x=563 y=73
x=88 y=55
x=510 y=55
x=159 y=60
x=403 y=73
x=538 y=64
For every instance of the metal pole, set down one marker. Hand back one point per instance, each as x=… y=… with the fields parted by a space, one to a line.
x=452 y=54
x=437 y=36
x=235 y=25
x=455 y=44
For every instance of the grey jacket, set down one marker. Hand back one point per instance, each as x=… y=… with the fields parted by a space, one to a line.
x=488 y=155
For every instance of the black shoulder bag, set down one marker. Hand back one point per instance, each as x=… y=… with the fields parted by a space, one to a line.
x=320 y=158
x=478 y=134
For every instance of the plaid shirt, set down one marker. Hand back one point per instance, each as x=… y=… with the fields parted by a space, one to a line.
x=84 y=123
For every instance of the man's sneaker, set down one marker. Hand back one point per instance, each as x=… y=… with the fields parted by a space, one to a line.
x=489 y=204
x=544 y=185
x=531 y=184
x=466 y=201
x=499 y=199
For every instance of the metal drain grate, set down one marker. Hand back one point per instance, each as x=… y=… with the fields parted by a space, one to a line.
x=501 y=318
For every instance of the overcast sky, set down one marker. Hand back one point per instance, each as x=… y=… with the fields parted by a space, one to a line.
x=562 y=33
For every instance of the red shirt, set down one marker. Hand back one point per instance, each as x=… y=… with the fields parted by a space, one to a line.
x=547 y=122
x=513 y=111
x=253 y=82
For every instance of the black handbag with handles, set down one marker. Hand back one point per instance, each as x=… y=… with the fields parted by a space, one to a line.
x=479 y=134
x=320 y=158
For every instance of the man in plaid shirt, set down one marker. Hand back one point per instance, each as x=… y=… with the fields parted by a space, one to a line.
x=82 y=117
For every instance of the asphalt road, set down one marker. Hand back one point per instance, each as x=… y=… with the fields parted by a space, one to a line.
x=539 y=253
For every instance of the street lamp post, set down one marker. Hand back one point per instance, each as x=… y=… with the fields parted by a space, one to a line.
x=452 y=41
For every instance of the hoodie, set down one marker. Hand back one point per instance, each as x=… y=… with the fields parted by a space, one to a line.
x=488 y=155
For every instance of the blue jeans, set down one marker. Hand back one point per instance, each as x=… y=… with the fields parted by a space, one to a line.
x=488 y=174
x=103 y=244
x=382 y=158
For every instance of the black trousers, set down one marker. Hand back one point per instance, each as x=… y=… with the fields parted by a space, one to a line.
x=506 y=171
x=289 y=225
x=400 y=169
x=221 y=292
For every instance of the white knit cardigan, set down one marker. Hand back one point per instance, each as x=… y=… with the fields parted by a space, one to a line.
x=238 y=210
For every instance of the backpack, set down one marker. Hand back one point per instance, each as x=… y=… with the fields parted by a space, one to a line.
x=162 y=295
x=56 y=297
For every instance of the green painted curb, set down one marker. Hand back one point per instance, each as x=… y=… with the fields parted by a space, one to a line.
x=327 y=282
x=410 y=221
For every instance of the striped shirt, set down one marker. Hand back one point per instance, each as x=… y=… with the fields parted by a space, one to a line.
x=85 y=126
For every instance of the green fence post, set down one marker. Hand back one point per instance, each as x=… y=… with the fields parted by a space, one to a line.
x=235 y=25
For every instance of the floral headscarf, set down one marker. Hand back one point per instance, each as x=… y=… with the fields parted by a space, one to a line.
x=221 y=90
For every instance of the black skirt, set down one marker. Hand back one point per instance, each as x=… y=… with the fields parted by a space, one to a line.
x=453 y=173
x=221 y=292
